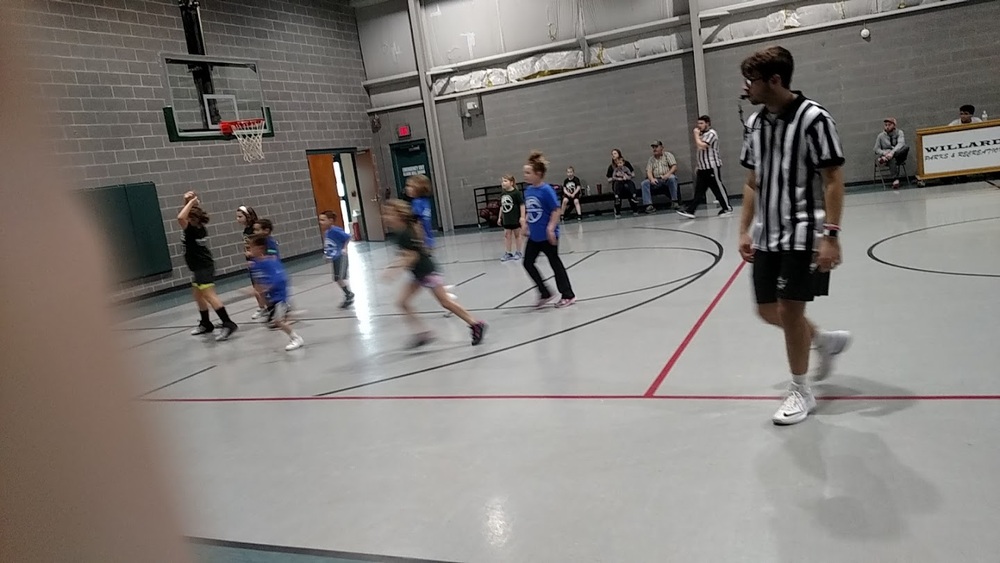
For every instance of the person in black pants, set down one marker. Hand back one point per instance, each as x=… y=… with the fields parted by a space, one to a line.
x=543 y=213
x=623 y=186
x=709 y=175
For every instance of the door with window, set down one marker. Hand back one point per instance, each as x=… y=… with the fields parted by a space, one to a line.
x=408 y=159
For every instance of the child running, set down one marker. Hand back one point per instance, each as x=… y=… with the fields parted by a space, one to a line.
x=199 y=260
x=335 y=242
x=543 y=214
x=272 y=279
x=418 y=189
x=266 y=227
x=246 y=217
x=511 y=218
x=405 y=231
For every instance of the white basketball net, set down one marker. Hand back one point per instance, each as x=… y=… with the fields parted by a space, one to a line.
x=251 y=137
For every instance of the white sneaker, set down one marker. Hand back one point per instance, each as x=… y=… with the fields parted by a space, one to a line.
x=828 y=345
x=258 y=314
x=295 y=344
x=798 y=403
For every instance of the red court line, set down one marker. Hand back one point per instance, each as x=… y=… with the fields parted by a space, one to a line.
x=571 y=397
x=694 y=330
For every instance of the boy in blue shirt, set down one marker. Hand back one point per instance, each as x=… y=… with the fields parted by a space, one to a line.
x=335 y=242
x=264 y=227
x=543 y=213
x=270 y=276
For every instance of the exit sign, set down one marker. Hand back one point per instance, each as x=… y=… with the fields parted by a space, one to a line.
x=403 y=131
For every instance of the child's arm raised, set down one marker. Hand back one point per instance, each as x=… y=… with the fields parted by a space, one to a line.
x=190 y=200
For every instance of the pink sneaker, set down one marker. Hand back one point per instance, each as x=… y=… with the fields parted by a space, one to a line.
x=543 y=301
x=565 y=302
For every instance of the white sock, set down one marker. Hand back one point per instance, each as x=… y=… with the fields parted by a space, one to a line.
x=801 y=381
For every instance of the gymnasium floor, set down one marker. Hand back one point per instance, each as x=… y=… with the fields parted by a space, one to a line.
x=633 y=426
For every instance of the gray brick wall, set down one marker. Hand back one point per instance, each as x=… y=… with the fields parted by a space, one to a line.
x=918 y=68
x=575 y=122
x=98 y=61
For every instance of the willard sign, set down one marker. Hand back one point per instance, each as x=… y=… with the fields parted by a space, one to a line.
x=958 y=150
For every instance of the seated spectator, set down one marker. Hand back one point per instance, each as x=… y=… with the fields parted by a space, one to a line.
x=966 y=115
x=891 y=149
x=660 y=172
x=615 y=154
x=622 y=185
x=572 y=190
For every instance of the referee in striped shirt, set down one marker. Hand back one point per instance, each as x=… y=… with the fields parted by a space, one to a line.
x=792 y=204
x=709 y=175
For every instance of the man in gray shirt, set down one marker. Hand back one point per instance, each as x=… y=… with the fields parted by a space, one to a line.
x=891 y=149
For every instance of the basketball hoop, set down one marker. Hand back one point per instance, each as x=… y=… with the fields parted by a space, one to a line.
x=250 y=134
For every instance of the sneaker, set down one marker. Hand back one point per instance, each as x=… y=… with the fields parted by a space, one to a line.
x=565 y=302
x=675 y=205
x=348 y=301
x=296 y=343
x=543 y=301
x=650 y=209
x=507 y=257
x=258 y=314
x=227 y=331
x=518 y=256
x=829 y=345
x=798 y=403
x=726 y=212
x=685 y=213
x=422 y=339
x=478 y=330
x=202 y=329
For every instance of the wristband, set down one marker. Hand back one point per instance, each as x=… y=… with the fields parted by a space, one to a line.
x=831 y=227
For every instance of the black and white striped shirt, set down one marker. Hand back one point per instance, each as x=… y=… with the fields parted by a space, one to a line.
x=786 y=152
x=708 y=157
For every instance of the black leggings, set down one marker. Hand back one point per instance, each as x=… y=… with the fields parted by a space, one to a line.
x=624 y=189
x=551 y=251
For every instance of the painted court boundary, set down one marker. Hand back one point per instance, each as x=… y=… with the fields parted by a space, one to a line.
x=571 y=398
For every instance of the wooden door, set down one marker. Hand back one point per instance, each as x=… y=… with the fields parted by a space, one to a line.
x=324 y=184
x=371 y=199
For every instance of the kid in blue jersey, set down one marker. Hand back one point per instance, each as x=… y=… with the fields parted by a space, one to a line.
x=406 y=232
x=265 y=227
x=335 y=241
x=543 y=213
x=270 y=276
x=418 y=189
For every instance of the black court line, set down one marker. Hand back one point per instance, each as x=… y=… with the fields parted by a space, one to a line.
x=185 y=378
x=181 y=329
x=694 y=278
x=500 y=306
x=259 y=547
x=992 y=183
x=475 y=277
x=871 y=251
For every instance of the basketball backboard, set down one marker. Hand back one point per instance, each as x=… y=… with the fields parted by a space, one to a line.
x=204 y=91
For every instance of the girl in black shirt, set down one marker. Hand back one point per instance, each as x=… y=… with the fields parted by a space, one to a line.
x=198 y=258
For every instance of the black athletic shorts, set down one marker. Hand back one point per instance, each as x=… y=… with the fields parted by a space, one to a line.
x=512 y=227
x=340 y=268
x=789 y=275
x=204 y=278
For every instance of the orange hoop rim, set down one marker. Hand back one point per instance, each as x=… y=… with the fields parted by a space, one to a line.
x=227 y=127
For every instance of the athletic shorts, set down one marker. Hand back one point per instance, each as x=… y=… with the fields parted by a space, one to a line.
x=430 y=281
x=204 y=278
x=340 y=268
x=277 y=311
x=512 y=227
x=789 y=275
